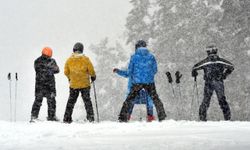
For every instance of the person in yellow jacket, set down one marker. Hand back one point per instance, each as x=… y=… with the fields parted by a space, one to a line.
x=79 y=70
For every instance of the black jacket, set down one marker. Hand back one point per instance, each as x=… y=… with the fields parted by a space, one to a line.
x=45 y=68
x=215 y=68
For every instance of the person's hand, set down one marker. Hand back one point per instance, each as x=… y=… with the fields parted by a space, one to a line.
x=93 y=78
x=194 y=73
x=224 y=76
x=115 y=70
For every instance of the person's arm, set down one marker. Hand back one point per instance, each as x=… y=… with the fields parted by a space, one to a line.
x=123 y=73
x=131 y=66
x=229 y=67
x=91 y=71
x=155 y=69
x=66 y=69
x=54 y=67
x=197 y=67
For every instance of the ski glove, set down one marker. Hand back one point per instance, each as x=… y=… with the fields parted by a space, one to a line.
x=115 y=70
x=93 y=78
x=194 y=73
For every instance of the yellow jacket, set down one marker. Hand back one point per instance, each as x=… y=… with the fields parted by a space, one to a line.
x=78 y=68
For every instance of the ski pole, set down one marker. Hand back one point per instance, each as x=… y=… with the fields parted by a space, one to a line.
x=170 y=81
x=97 y=112
x=193 y=97
x=16 y=94
x=178 y=77
x=9 y=78
x=140 y=105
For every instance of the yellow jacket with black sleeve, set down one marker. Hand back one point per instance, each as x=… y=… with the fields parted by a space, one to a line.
x=78 y=68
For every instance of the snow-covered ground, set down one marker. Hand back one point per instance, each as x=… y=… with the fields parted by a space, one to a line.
x=167 y=135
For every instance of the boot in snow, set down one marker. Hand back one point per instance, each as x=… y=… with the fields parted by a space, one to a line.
x=150 y=118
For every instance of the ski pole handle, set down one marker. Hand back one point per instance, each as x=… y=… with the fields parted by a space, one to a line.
x=9 y=76
x=170 y=80
x=16 y=76
x=178 y=77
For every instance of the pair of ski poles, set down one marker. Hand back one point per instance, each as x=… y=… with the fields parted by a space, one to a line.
x=170 y=80
x=15 y=108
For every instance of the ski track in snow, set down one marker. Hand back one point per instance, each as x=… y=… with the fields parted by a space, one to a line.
x=166 y=135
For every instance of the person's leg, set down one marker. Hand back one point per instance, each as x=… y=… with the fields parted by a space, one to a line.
x=219 y=89
x=130 y=110
x=123 y=116
x=88 y=104
x=51 y=101
x=36 y=105
x=150 y=88
x=70 y=105
x=150 y=109
x=208 y=92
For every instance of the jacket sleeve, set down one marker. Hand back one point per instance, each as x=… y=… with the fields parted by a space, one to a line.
x=36 y=66
x=228 y=66
x=66 y=69
x=131 y=66
x=155 y=69
x=91 y=69
x=199 y=65
x=123 y=73
x=54 y=67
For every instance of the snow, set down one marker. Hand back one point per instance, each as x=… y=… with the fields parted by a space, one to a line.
x=167 y=135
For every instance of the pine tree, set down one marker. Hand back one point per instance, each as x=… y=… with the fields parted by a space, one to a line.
x=110 y=88
x=137 y=21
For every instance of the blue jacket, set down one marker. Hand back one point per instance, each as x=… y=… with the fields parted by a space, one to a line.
x=142 y=67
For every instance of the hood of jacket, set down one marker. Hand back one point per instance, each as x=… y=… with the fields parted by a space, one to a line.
x=143 y=51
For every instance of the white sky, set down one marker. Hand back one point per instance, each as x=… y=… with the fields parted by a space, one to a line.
x=26 y=26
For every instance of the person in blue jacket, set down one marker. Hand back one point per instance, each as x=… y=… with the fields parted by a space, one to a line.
x=142 y=98
x=142 y=69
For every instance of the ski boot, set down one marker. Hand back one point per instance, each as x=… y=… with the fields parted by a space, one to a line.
x=52 y=118
x=34 y=119
x=150 y=118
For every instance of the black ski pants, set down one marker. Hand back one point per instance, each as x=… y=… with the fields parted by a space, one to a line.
x=150 y=88
x=51 y=101
x=218 y=87
x=74 y=93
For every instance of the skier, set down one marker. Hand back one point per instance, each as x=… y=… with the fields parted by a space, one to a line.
x=142 y=69
x=216 y=70
x=142 y=98
x=78 y=69
x=45 y=68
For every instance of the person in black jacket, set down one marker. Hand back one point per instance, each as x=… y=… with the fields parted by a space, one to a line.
x=215 y=70
x=45 y=68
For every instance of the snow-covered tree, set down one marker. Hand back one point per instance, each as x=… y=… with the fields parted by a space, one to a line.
x=110 y=88
x=138 y=21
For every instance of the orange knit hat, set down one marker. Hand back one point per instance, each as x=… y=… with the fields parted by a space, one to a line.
x=47 y=51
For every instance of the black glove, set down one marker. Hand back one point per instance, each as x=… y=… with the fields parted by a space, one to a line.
x=224 y=76
x=115 y=70
x=93 y=78
x=178 y=77
x=194 y=73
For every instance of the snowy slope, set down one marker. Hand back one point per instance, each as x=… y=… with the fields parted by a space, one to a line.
x=167 y=135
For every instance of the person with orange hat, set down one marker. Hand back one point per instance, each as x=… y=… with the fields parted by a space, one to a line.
x=45 y=68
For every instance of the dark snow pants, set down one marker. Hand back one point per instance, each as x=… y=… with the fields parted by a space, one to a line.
x=151 y=90
x=72 y=100
x=51 y=101
x=218 y=87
